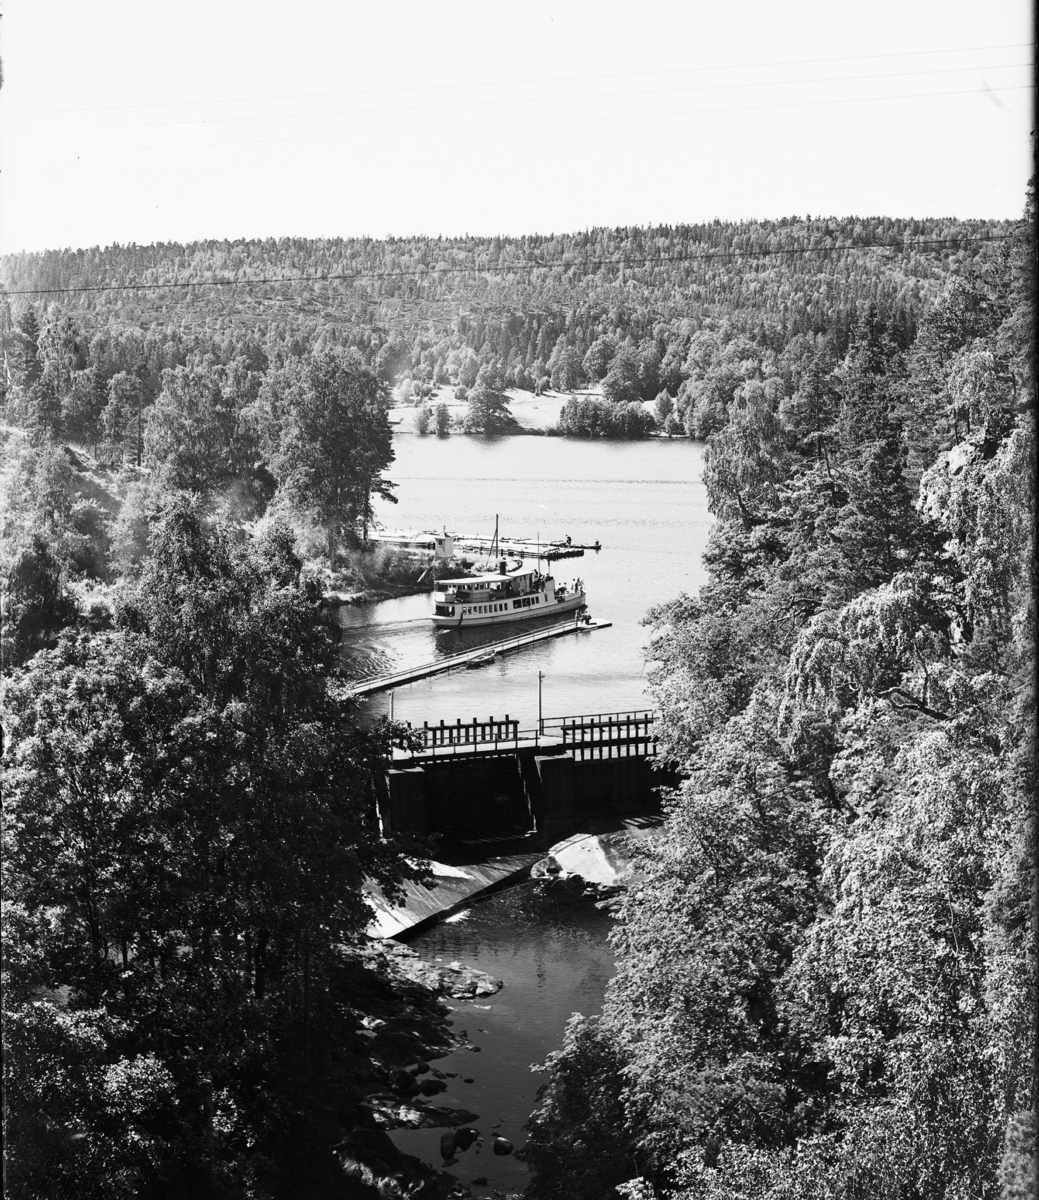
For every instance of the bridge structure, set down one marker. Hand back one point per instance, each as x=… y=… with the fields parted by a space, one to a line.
x=489 y=778
x=589 y=736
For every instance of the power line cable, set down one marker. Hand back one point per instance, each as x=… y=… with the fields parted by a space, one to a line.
x=625 y=261
x=795 y=62
x=166 y=148
x=513 y=100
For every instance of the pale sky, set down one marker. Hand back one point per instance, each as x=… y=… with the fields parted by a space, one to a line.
x=134 y=120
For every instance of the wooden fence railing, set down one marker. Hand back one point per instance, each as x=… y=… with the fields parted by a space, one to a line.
x=476 y=732
x=590 y=735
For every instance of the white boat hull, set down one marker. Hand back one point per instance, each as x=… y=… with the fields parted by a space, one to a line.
x=469 y=616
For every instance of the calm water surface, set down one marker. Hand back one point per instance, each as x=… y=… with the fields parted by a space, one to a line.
x=645 y=504
x=555 y=960
x=643 y=501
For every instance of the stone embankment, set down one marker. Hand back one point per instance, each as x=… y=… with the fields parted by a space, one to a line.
x=597 y=860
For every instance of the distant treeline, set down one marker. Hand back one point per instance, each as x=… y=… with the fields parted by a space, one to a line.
x=640 y=312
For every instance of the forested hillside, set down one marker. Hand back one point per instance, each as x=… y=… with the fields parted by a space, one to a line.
x=687 y=311
x=826 y=977
x=824 y=983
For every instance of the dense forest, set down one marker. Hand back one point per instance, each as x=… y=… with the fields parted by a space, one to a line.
x=684 y=315
x=826 y=976
x=825 y=980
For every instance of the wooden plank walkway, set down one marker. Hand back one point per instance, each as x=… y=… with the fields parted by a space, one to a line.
x=383 y=683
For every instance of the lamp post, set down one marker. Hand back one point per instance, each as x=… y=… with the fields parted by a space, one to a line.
x=541 y=722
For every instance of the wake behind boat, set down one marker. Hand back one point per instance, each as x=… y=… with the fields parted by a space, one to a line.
x=502 y=597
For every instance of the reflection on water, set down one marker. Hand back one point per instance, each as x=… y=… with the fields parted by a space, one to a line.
x=555 y=960
x=361 y=660
x=642 y=500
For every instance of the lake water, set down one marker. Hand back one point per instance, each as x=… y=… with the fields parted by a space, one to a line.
x=643 y=501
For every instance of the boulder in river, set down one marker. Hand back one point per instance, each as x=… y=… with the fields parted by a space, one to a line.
x=404 y=1082
x=563 y=888
x=502 y=1146
x=464 y=1138
x=447 y=1144
x=545 y=868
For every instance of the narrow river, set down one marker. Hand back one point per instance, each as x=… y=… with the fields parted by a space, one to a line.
x=554 y=960
x=645 y=503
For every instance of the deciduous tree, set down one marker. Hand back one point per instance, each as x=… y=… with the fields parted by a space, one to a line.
x=329 y=440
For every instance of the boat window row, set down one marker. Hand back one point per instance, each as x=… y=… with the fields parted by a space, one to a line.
x=448 y=610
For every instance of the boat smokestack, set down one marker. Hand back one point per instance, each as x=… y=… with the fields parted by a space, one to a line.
x=502 y=564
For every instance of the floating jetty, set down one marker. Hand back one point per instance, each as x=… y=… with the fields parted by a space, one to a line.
x=383 y=683
x=524 y=547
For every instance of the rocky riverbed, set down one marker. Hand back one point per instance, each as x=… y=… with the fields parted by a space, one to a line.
x=430 y=1086
x=398 y=998
x=455 y=980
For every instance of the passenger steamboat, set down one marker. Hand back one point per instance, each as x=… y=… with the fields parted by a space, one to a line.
x=503 y=596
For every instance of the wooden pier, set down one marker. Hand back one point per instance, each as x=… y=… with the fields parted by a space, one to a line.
x=383 y=683
x=524 y=547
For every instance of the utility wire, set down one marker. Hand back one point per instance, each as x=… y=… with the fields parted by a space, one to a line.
x=475 y=269
x=795 y=62
x=514 y=100
x=499 y=126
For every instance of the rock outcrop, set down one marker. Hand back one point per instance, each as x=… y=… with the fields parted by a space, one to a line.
x=455 y=979
x=597 y=863
x=388 y=1111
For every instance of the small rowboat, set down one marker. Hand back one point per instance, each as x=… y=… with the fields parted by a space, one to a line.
x=481 y=660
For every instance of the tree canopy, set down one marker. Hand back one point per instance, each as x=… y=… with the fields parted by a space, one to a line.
x=825 y=979
x=189 y=816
